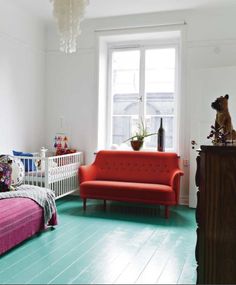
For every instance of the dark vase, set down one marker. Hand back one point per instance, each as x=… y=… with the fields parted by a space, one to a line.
x=136 y=145
x=161 y=138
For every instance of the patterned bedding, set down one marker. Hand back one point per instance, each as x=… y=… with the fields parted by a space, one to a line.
x=21 y=218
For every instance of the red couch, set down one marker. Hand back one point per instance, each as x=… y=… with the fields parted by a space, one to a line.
x=132 y=176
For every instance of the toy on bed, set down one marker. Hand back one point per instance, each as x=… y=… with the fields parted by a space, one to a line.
x=26 y=210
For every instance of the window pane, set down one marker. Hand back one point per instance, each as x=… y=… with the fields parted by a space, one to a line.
x=123 y=128
x=125 y=82
x=125 y=104
x=153 y=124
x=160 y=70
x=125 y=72
x=160 y=93
x=160 y=104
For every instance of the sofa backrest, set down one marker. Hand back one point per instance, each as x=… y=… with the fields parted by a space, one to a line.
x=135 y=166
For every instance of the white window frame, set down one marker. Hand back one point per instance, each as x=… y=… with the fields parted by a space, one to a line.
x=143 y=46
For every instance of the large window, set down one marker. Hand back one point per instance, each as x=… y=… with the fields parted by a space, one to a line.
x=142 y=87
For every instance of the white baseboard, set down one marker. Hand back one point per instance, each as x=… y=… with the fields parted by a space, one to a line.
x=183 y=200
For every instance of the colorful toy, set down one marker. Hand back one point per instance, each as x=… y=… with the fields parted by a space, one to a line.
x=61 y=141
x=61 y=144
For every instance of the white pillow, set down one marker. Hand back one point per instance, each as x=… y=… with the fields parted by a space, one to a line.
x=18 y=171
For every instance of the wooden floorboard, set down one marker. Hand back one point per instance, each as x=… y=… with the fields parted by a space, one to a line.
x=126 y=244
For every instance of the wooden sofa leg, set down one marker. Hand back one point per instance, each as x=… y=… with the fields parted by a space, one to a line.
x=84 y=204
x=167 y=212
x=104 y=205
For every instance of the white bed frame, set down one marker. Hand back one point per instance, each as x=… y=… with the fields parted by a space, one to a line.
x=58 y=173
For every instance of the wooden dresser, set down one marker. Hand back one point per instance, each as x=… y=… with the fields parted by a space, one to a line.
x=216 y=215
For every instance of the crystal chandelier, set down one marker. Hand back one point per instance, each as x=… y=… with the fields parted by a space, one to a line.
x=69 y=14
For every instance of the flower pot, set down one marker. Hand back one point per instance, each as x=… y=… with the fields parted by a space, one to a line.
x=136 y=145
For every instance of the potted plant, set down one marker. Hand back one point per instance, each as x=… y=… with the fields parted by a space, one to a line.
x=137 y=140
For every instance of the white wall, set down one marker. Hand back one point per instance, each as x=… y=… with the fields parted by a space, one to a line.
x=211 y=69
x=209 y=42
x=22 y=79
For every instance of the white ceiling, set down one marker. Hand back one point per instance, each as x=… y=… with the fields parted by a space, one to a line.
x=106 y=8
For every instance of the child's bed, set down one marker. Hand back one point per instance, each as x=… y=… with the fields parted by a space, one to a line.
x=22 y=217
x=58 y=173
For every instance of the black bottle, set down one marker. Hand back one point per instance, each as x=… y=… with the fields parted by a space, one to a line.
x=161 y=138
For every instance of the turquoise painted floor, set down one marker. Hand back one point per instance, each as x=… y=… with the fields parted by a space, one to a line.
x=126 y=244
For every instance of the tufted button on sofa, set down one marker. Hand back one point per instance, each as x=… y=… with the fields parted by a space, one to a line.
x=132 y=176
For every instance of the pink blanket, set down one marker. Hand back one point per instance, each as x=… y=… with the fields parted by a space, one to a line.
x=20 y=218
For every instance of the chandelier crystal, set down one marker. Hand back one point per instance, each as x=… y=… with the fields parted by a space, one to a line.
x=69 y=14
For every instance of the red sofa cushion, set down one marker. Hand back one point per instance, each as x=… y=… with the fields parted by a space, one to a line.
x=128 y=191
x=131 y=166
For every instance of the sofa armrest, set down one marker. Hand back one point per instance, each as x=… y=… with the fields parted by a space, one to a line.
x=176 y=173
x=175 y=182
x=87 y=173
